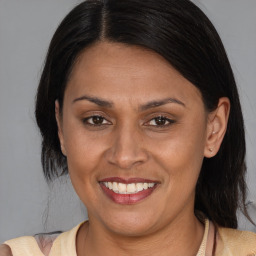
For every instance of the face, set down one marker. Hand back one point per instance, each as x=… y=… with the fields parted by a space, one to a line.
x=134 y=133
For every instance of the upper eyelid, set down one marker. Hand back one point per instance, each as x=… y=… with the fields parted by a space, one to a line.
x=91 y=116
x=95 y=113
x=163 y=115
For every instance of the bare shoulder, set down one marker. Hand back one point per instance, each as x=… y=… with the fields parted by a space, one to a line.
x=5 y=250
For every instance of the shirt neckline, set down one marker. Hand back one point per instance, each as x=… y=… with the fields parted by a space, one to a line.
x=66 y=242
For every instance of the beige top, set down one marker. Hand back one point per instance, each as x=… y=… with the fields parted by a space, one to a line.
x=230 y=242
x=63 y=245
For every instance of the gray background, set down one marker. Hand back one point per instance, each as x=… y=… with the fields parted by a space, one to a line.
x=26 y=27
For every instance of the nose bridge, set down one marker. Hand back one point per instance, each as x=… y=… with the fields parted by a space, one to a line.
x=127 y=147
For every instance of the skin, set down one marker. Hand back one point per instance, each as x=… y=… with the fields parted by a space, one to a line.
x=130 y=143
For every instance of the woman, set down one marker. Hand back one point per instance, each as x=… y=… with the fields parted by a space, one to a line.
x=138 y=103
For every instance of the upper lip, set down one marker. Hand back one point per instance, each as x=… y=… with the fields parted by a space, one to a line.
x=128 y=180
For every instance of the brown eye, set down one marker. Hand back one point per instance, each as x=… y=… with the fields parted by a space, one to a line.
x=160 y=121
x=95 y=120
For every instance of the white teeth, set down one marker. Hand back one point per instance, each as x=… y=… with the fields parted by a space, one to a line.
x=145 y=185
x=132 y=188
x=115 y=187
x=151 y=185
x=110 y=185
x=139 y=186
x=122 y=188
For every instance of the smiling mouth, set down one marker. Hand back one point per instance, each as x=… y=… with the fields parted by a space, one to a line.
x=127 y=191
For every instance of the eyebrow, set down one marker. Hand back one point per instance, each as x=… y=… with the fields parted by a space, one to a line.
x=157 y=103
x=96 y=100
x=108 y=104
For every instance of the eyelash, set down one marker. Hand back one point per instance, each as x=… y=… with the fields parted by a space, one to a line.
x=170 y=121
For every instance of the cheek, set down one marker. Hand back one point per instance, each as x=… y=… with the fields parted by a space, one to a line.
x=82 y=149
x=81 y=146
x=182 y=153
x=83 y=156
x=180 y=159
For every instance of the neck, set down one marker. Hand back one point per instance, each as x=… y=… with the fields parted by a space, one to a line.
x=182 y=236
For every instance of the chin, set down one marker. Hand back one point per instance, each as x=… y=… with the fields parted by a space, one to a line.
x=131 y=224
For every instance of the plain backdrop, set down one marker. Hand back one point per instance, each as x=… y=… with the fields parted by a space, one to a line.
x=27 y=204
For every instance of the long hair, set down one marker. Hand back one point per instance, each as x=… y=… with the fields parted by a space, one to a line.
x=181 y=33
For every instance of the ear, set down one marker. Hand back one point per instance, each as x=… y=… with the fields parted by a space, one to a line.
x=216 y=127
x=59 y=124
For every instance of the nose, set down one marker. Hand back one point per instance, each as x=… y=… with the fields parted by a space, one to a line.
x=127 y=149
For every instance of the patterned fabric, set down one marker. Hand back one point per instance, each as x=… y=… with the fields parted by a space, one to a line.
x=63 y=245
x=45 y=241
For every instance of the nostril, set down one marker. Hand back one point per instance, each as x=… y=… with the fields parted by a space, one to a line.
x=126 y=149
x=126 y=159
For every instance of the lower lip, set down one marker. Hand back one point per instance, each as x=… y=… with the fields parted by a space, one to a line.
x=127 y=198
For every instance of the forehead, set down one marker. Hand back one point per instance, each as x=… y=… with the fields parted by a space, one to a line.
x=115 y=69
x=137 y=61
